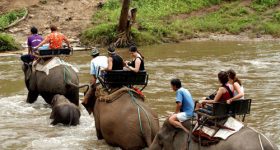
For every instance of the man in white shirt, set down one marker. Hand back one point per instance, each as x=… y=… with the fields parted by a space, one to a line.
x=96 y=63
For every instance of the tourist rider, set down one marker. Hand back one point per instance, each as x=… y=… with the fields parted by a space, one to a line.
x=55 y=39
x=184 y=105
x=32 y=41
x=224 y=92
x=137 y=63
x=238 y=88
x=96 y=63
x=115 y=62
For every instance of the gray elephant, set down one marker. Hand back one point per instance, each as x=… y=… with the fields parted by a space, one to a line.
x=63 y=111
x=170 y=138
x=60 y=80
x=126 y=121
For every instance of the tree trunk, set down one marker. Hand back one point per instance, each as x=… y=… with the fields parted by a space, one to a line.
x=124 y=15
x=124 y=38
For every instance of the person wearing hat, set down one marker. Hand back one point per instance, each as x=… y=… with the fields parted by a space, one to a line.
x=96 y=63
x=115 y=62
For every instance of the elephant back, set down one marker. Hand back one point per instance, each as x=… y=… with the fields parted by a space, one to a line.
x=104 y=96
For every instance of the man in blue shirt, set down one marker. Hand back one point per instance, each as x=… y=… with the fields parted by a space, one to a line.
x=184 y=105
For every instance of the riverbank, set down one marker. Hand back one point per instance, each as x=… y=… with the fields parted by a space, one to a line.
x=167 y=21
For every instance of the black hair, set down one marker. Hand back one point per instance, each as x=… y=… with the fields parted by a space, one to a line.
x=95 y=55
x=111 y=49
x=232 y=75
x=223 y=77
x=134 y=49
x=53 y=28
x=34 y=30
x=176 y=83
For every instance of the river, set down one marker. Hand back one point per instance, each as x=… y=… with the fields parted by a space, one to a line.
x=27 y=126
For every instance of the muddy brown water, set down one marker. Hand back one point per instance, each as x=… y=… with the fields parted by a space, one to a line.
x=27 y=126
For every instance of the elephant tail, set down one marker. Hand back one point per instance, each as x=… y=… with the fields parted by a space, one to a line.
x=78 y=86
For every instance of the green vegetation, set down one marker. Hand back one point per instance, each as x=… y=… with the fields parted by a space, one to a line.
x=7 y=18
x=175 y=20
x=7 y=43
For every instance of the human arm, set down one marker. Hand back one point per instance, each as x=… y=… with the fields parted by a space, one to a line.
x=29 y=50
x=93 y=80
x=137 y=65
x=178 y=107
x=240 y=94
x=46 y=40
x=110 y=64
x=66 y=41
x=29 y=45
x=218 y=96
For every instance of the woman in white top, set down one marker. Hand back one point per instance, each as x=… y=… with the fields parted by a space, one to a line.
x=238 y=88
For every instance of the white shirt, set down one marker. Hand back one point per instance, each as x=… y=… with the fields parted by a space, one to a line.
x=99 y=61
x=236 y=93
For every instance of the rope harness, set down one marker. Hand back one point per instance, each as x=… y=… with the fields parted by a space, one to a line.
x=261 y=145
x=139 y=108
x=66 y=75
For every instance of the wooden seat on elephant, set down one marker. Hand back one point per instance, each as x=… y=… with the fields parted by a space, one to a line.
x=123 y=78
x=63 y=52
x=220 y=109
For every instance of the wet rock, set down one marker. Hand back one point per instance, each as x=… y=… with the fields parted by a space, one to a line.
x=68 y=19
x=258 y=35
x=31 y=16
x=100 y=4
x=13 y=30
x=43 y=1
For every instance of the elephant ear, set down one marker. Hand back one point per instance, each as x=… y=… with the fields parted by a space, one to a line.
x=27 y=69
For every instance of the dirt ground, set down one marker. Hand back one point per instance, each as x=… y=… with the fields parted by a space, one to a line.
x=71 y=16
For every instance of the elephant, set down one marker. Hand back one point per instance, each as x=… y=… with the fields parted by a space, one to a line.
x=63 y=111
x=171 y=138
x=60 y=80
x=126 y=122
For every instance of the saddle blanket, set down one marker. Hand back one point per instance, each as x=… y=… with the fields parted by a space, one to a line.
x=224 y=133
x=53 y=63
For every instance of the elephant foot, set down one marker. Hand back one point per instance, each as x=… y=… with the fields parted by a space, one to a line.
x=99 y=135
x=89 y=110
x=32 y=97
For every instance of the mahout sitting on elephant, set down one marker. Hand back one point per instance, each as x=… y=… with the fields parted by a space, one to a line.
x=61 y=79
x=122 y=118
x=169 y=138
x=63 y=111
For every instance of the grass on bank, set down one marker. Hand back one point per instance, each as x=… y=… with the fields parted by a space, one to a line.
x=7 y=18
x=160 y=20
x=150 y=18
x=7 y=43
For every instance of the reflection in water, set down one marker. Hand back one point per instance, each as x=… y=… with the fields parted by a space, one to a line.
x=26 y=126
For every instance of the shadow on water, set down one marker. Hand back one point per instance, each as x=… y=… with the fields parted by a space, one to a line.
x=27 y=126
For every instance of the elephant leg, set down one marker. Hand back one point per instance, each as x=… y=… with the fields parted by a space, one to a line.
x=97 y=126
x=52 y=115
x=32 y=97
x=99 y=134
